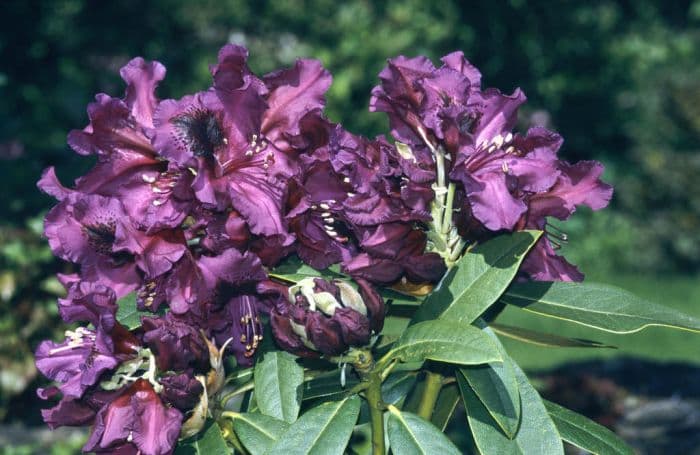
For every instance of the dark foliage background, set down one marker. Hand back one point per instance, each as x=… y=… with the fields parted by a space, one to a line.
x=620 y=80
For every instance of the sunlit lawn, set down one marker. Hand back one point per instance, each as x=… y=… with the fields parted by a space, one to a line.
x=655 y=342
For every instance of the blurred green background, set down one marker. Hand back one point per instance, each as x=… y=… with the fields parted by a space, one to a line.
x=620 y=80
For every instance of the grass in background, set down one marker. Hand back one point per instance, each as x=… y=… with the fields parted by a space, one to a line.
x=657 y=343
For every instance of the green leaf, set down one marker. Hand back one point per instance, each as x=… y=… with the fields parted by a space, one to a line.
x=328 y=386
x=294 y=270
x=208 y=442
x=128 y=313
x=397 y=386
x=595 y=305
x=478 y=279
x=278 y=378
x=536 y=433
x=409 y=433
x=322 y=430
x=258 y=432
x=444 y=341
x=497 y=388
x=585 y=433
x=445 y=406
x=545 y=339
x=398 y=298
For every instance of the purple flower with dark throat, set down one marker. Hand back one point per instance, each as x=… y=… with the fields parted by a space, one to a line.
x=239 y=137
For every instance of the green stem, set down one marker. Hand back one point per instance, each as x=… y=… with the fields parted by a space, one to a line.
x=447 y=213
x=373 y=393
x=238 y=391
x=433 y=384
x=230 y=435
x=371 y=374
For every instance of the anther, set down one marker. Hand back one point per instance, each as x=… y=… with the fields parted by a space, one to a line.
x=497 y=141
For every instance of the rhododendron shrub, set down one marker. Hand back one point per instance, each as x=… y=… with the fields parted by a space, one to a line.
x=238 y=258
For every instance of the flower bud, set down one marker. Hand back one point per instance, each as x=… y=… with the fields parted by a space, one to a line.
x=327 y=316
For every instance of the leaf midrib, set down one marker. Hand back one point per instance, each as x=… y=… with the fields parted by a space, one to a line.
x=399 y=350
x=595 y=436
x=405 y=425
x=328 y=422
x=597 y=312
x=484 y=271
x=257 y=427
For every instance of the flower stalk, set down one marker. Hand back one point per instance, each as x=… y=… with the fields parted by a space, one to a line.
x=431 y=391
x=373 y=394
x=442 y=235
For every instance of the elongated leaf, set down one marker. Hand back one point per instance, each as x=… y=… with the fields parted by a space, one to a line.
x=128 y=313
x=322 y=430
x=328 y=386
x=536 y=433
x=409 y=433
x=445 y=406
x=398 y=298
x=585 y=433
x=595 y=305
x=397 y=386
x=208 y=442
x=294 y=270
x=478 y=279
x=258 y=432
x=496 y=387
x=545 y=339
x=444 y=341
x=277 y=379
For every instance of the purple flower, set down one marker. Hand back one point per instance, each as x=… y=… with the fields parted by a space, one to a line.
x=503 y=180
x=89 y=302
x=95 y=232
x=72 y=411
x=239 y=321
x=176 y=343
x=239 y=138
x=181 y=391
x=79 y=361
x=325 y=316
x=89 y=230
x=197 y=281
x=352 y=204
x=136 y=418
x=578 y=184
x=317 y=217
x=155 y=194
x=393 y=250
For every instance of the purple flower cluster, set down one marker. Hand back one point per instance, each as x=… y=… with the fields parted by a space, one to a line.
x=192 y=201
x=497 y=180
